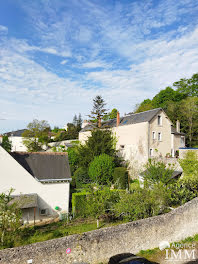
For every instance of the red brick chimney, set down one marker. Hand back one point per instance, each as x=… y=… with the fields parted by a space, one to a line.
x=118 y=119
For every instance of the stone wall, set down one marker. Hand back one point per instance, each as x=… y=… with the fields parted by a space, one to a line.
x=99 y=245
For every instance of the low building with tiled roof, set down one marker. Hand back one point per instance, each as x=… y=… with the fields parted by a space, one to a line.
x=41 y=182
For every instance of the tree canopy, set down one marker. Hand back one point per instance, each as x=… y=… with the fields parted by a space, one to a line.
x=179 y=102
x=36 y=134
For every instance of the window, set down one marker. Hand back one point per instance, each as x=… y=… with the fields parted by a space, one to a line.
x=151 y=152
x=43 y=211
x=154 y=135
x=182 y=140
x=122 y=146
x=159 y=136
x=159 y=120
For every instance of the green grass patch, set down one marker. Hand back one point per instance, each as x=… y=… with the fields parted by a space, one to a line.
x=35 y=234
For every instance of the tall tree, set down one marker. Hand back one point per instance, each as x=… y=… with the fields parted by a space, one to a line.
x=99 y=109
x=75 y=120
x=79 y=122
x=100 y=142
x=6 y=144
x=188 y=86
x=36 y=135
x=189 y=112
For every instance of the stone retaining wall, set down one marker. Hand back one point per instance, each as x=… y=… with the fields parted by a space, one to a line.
x=99 y=245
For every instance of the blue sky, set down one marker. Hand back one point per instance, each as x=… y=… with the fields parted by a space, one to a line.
x=56 y=56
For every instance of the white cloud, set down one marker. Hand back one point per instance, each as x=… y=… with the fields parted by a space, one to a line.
x=96 y=64
x=63 y=62
x=3 y=29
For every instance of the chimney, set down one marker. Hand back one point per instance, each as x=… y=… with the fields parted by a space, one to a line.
x=99 y=122
x=178 y=126
x=118 y=119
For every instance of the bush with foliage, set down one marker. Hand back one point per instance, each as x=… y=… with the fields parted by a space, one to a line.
x=143 y=203
x=120 y=178
x=81 y=177
x=189 y=163
x=6 y=144
x=10 y=217
x=95 y=202
x=101 y=169
x=157 y=171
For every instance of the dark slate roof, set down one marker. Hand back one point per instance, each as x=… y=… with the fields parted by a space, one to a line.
x=146 y=116
x=174 y=131
x=25 y=200
x=44 y=166
x=17 y=133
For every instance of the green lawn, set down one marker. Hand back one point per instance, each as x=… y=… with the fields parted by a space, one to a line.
x=35 y=234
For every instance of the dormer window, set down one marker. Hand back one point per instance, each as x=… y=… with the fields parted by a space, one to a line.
x=159 y=120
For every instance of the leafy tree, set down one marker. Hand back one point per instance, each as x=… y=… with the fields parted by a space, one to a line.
x=100 y=142
x=188 y=87
x=36 y=135
x=166 y=95
x=144 y=106
x=189 y=113
x=9 y=219
x=101 y=169
x=111 y=115
x=98 y=109
x=6 y=144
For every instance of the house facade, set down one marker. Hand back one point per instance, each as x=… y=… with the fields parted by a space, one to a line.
x=41 y=183
x=143 y=135
x=16 y=139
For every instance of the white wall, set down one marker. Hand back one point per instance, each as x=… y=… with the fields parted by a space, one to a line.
x=17 y=144
x=13 y=175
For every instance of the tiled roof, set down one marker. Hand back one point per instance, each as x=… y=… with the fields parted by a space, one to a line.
x=25 y=200
x=127 y=120
x=174 y=131
x=17 y=133
x=44 y=166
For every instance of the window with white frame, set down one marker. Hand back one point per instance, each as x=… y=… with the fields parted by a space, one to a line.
x=154 y=135
x=159 y=120
x=159 y=136
x=151 y=152
x=121 y=146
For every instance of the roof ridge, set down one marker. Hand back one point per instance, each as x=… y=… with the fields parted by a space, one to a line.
x=41 y=153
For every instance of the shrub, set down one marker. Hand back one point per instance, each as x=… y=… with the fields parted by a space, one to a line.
x=95 y=202
x=120 y=177
x=101 y=169
x=143 y=203
x=81 y=177
x=190 y=164
x=156 y=171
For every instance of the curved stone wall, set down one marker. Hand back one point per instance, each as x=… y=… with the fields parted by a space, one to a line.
x=99 y=245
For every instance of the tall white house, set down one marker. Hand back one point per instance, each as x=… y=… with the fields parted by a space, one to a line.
x=142 y=135
x=16 y=139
